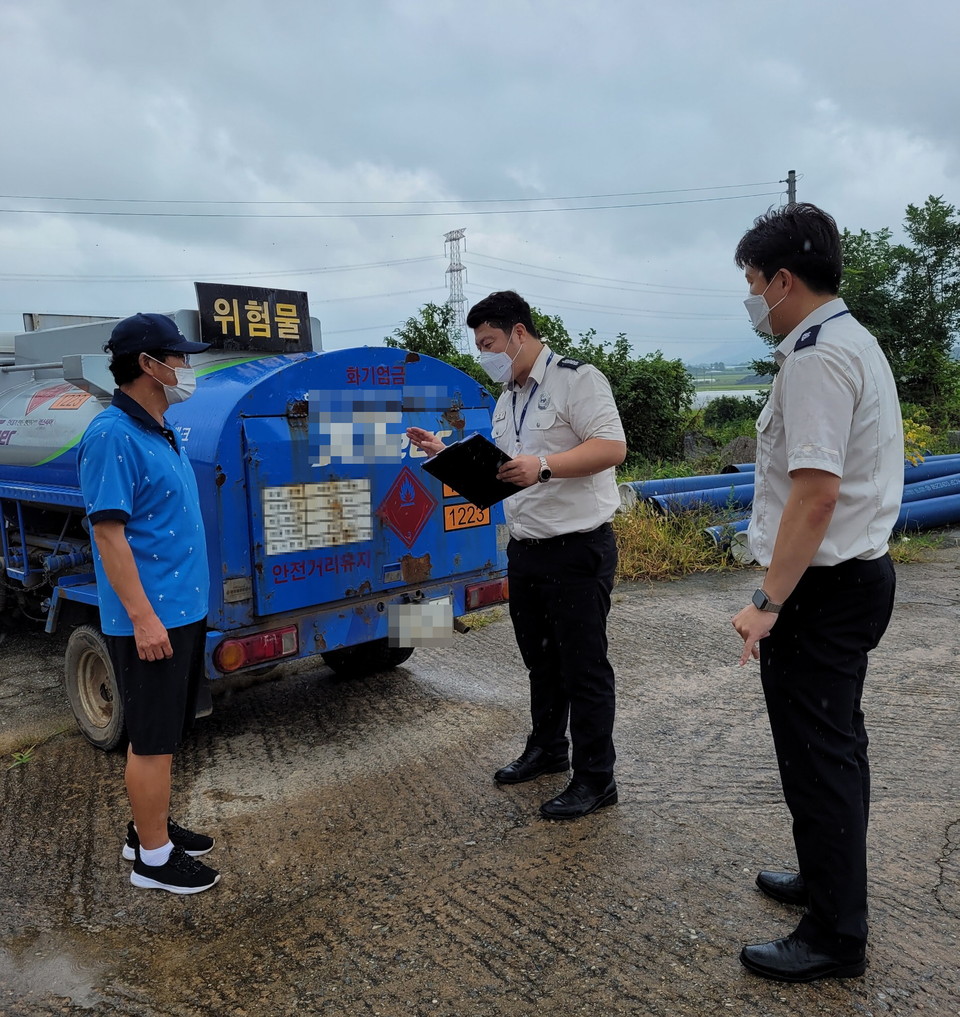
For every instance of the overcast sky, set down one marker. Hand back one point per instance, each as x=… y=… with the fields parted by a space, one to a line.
x=327 y=146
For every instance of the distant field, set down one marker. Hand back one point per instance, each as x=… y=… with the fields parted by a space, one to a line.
x=728 y=380
x=720 y=386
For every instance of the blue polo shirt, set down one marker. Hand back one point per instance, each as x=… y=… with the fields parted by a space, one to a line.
x=134 y=470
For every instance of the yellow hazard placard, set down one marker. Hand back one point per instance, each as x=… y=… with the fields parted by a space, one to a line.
x=462 y=517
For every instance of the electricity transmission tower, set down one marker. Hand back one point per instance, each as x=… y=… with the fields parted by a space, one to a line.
x=455 y=272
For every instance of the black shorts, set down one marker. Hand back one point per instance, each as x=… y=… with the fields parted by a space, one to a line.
x=159 y=696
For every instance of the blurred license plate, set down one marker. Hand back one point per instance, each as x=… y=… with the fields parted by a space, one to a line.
x=426 y=623
x=462 y=517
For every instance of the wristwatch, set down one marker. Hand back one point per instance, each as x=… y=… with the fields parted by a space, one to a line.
x=545 y=472
x=763 y=603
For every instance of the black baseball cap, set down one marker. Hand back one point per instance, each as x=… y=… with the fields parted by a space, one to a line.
x=143 y=332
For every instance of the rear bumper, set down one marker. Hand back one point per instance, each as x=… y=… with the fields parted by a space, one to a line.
x=334 y=627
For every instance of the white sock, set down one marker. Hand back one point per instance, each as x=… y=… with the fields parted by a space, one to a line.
x=156 y=856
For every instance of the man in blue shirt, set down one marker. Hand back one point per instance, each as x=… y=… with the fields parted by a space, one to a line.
x=150 y=559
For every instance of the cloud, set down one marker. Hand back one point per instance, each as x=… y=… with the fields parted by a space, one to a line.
x=332 y=111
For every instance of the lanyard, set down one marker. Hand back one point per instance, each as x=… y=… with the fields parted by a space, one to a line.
x=523 y=413
x=839 y=314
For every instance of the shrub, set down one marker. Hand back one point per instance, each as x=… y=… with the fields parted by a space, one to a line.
x=732 y=409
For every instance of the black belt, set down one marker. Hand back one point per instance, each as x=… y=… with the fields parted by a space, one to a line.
x=531 y=541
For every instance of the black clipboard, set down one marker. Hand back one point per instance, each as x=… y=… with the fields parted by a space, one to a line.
x=470 y=466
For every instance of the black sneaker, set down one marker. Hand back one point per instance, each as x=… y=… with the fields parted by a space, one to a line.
x=195 y=844
x=180 y=874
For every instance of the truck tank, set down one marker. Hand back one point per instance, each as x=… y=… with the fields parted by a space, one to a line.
x=324 y=536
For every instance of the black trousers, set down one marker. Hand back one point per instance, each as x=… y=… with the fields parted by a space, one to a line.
x=813 y=666
x=159 y=696
x=559 y=601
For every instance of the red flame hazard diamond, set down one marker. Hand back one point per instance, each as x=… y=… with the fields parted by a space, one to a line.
x=407 y=507
x=43 y=395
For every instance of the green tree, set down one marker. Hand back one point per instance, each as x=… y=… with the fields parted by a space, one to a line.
x=434 y=333
x=653 y=395
x=929 y=306
x=552 y=331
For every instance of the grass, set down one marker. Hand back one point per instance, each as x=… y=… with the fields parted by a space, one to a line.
x=907 y=549
x=29 y=739
x=653 y=546
x=481 y=619
x=22 y=757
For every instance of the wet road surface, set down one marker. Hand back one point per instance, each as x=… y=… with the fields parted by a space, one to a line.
x=371 y=866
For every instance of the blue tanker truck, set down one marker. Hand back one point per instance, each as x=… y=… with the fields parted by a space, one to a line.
x=324 y=536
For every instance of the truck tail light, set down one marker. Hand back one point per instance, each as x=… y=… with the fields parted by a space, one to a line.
x=232 y=654
x=493 y=591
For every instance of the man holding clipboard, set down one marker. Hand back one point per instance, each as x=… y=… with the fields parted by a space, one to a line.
x=558 y=422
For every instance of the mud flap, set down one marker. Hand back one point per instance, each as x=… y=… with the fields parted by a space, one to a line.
x=204 y=699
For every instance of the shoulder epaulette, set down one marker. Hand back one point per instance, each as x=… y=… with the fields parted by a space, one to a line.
x=570 y=362
x=807 y=338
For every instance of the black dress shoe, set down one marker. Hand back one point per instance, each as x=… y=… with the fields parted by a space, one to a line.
x=579 y=799
x=786 y=887
x=533 y=761
x=793 y=960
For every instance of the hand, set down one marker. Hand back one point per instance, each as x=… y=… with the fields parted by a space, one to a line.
x=524 y=471
x=753 y=625
x=153 y=643
x=425 y=440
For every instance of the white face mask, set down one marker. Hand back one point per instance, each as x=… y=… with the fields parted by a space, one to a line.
x=759 y=311
x=499 y=366
x=186 y=382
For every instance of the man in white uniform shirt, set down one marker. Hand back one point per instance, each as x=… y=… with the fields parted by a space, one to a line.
x=558 y=421
x=828 y=488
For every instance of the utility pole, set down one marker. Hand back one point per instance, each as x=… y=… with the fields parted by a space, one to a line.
x=791 y=183
x=455 y=270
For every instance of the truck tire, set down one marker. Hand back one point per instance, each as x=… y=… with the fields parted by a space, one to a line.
x=366 y=658
x=92 y=689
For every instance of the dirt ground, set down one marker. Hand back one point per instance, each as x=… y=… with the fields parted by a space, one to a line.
x=371 y=866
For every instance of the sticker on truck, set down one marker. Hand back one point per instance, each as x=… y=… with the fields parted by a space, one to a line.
x=464 y=516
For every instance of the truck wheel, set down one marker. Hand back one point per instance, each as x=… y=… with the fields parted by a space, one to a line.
x=366 y=658
x=92 y=689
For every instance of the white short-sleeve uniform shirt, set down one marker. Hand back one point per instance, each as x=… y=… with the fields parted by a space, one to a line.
x=557 y=408
x=833 y=406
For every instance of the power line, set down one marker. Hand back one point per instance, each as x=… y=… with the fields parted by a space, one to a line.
x=625 y=311
x=221 y=275
x=343 y=300
x=377 y=215
x=629 y=282
x=425 y=201
x=648 y=290
x=376 y=296
x=362 y=328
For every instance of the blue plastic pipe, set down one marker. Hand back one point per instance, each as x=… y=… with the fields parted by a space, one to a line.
x=722 y=534
x=739 y=497
x=937 y=488
x=930 y=512
x=678 y=485
x=931 y=467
